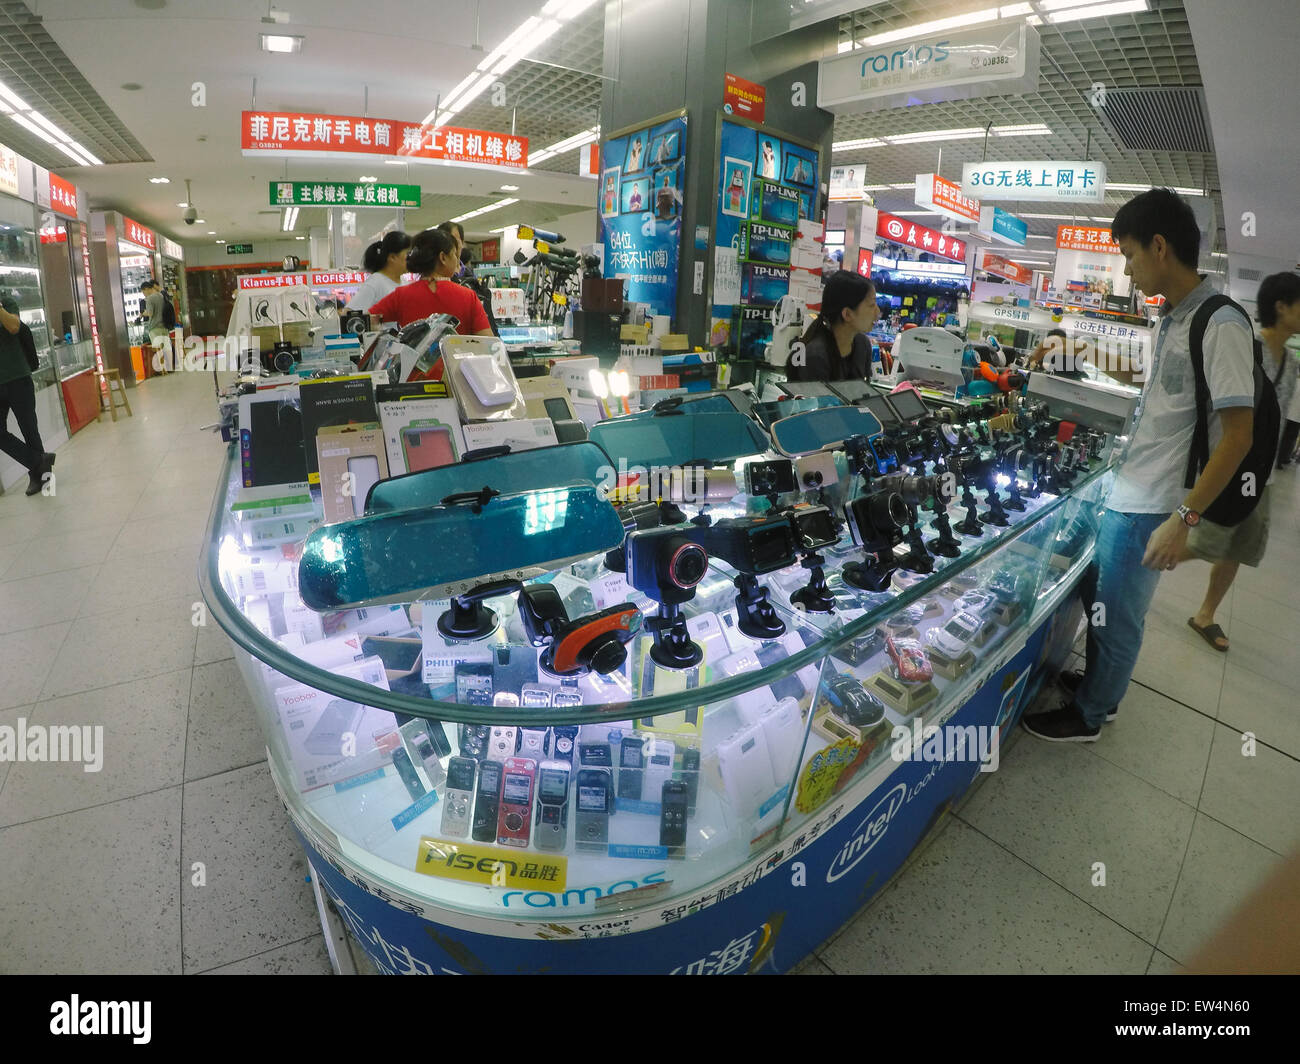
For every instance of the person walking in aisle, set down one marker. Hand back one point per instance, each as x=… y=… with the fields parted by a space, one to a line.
x=1148 y=515
x=18 y=361
x=385 y=261
x=1228 y=549
x=1288 y=283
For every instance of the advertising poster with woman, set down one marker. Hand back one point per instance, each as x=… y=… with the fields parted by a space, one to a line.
x=640 y=210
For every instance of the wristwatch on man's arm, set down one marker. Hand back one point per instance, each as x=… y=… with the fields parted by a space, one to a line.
x=1189 y=517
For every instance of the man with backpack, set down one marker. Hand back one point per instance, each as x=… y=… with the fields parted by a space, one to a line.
x=1194 y=426
x=1228 y=547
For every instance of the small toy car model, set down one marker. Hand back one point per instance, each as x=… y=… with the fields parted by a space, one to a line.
x=850 y=702
x=909 y=659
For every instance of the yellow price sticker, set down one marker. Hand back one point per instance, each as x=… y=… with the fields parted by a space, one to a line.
x=490 y=866
x=560 y=298
x=543 y=246
x=525 y=232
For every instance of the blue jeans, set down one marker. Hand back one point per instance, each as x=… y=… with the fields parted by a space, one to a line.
x=1117 y=581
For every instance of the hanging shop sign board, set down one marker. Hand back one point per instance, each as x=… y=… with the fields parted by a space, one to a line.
x=1085 y=238
x=281 y=133
x=63 y=196
x=1002 y=226
x=1012 y=271
x=134 y=232
x=239 y=249
x=944 y=197
x=901 y=231
x=343 y=194
x=8 y=170
x=1083 y=182
x=639 y=216
x=848 y=184
x=589 y=161
x=994 y=60
x=172 y=249
x=864 y=262
x=312 y=278
x=744 y=98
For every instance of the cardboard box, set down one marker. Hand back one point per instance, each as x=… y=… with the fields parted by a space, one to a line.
x=521 y=434
x=392 y=393
x=263 y=572
x=331 y=402
x=368 y=620
x=352 y=459
x=634 y=334
x=674 y=342
x=421 y=433
x=274 y=530
x=331 y=739
x=271 y=438
x=547 y=397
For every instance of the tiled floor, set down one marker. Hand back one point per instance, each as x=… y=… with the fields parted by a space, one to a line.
x=177 y=856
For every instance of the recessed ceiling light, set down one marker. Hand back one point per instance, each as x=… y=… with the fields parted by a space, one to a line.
x=182 y=204
x=509 y=188
x=220 y=241
x=394 y=162
x=300 y=238
x=212 y=232
x=160 y=180
x=281 y=42
x=132 y=86
x=368 y=180
x=200 y=221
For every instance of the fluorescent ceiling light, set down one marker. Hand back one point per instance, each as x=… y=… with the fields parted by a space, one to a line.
x=874 y=188
x=509 y=188
x=1035 y=236
x=396 y=162
x=503 y=49
x=1077 y=14
x=160 y=180
x=566 y=9
x=12 y=99
x=91 y=158
x=910 y=184
x=32 y=127
x=71 y=154
x=483 y=210
x=182 y=204
x=920 y=29
x=1054 y=217
x=300 y=238
x=41 y=120
x=212 y=232
x=501 y=228
x=1037 y=130
x=587 y=136
x=220 y=241
x=854 y=145
x=288 y=219
x=282 y=42
x=204 y=221
x=544 y=33
x=1143 y=188
x=367 y=179
x=1015 y=10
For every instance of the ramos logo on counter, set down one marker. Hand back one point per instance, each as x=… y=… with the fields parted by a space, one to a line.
x=490 y=867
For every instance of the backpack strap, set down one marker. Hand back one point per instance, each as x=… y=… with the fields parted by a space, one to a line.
x=1199 y=453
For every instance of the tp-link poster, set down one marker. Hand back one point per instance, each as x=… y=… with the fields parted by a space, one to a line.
x=765 y=184
x=642 y=174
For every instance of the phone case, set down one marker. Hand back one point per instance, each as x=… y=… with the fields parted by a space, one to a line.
x=427 y=447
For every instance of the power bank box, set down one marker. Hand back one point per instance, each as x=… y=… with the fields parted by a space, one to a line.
x=352 y=460
x=330 y=402
x=332 y=739
x=522 y=434
x=421 y=433
x=547 y=397
x=392 y=393
x=271 y=438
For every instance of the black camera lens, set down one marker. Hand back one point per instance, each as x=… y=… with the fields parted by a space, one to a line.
x=887 y=510
x=687 y=564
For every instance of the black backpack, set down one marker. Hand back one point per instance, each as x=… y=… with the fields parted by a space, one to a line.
x=1233 y=505
x=169 y=313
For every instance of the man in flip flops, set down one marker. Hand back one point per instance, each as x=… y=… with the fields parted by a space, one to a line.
x=1228 y=549
x=1149 y=515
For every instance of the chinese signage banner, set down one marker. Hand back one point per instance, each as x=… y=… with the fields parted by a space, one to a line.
x=281 y=133
x=936 y=194
x=314 y=278
x=744 y=98
x=132 y=231
x=8 y=171
x=1002 y=226
x=1043 y=180
x=1085 y=238
x=848 y=184
x=901 y=231
x=981 y=61
x=63 y=196
x=343 y=194
x=1001 y=267
x=639 y=211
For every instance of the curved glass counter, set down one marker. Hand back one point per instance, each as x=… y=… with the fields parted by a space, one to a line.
x=650 y=779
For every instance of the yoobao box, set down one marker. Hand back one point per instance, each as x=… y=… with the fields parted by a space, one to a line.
x=421 y=433
x=352 y=459
x=521 y=434
x=331 y=739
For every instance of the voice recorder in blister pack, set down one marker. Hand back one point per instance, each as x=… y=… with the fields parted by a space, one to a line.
x=487 y=801
x=515 y=816
x=552 y=805
x=458 y=796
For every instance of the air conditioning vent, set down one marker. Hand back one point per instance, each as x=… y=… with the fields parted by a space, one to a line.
x=1171 y=119
x=1243 y=274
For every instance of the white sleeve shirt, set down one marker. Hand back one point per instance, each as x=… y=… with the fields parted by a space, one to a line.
x=371 y=291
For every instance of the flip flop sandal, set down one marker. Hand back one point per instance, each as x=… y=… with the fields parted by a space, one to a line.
x=1209 y=633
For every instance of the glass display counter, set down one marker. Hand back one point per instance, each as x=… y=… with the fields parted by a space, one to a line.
x=469 y=805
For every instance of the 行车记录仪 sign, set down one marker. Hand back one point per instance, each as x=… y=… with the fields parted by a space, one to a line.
x=343 y=194
x=1083 y=182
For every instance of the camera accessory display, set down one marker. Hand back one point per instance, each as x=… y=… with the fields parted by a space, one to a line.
x=915 y=492
x=515 y=816
x=458 y=796
x=876 y=524
x=487 y=802
x=596 y=643
x=910 y=661
x=674 y=803
x=666 y=565
x=752 y=546
x=595 y=802
x=553 y=805
x=631 y=765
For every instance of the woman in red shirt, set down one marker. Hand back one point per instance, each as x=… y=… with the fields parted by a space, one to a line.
x=433 y=255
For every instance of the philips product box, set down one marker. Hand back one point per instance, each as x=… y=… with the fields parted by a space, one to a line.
x=352 y=460
x=331 y=739
x=521 y=434
x=331 y=402
x=421 y=433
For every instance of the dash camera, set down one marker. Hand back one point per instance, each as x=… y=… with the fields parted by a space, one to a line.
x=876 y=521
x=594 y=643
x=665 y=565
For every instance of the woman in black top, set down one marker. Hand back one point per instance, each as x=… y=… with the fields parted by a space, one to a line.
x=834 y=347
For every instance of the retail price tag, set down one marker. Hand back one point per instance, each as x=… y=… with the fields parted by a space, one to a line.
x=633 y=805
x=610 y=590
x=414 y=810
x=639 y=853
x=773 y=802
x=491 y=867
x=359 y=781
x=697 y=284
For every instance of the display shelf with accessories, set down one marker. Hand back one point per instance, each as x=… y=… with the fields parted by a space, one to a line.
x=542 y=695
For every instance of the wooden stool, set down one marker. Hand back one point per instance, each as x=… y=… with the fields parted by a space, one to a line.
x=107 y=378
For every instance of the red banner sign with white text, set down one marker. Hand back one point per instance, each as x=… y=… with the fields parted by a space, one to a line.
x=901 y=231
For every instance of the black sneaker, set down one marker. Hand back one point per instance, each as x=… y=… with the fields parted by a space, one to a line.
x=1063 y=725
x=1070 y=682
